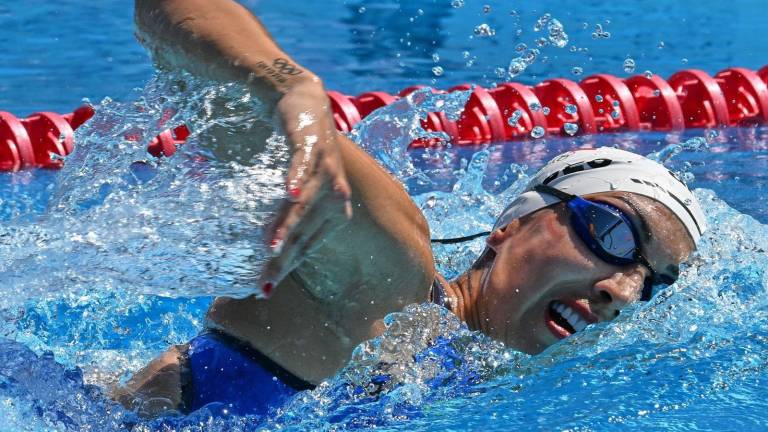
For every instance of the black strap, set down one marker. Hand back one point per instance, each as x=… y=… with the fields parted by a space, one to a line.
x=461 y=239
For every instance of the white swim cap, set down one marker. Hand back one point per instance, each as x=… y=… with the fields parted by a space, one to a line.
x=608 y=169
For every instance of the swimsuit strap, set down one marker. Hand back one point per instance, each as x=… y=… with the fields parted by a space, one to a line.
x=438 y=296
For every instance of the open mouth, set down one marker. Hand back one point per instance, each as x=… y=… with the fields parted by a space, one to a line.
x=567 y=318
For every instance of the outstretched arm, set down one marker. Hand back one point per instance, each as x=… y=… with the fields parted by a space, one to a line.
x=220 y=39
x=333 y=285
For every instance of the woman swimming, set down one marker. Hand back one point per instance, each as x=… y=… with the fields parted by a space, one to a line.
x=594 y=231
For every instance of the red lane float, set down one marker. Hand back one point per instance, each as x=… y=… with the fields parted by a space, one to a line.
x=599 y=103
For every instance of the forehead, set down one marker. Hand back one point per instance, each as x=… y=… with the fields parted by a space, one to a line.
x=666 y=242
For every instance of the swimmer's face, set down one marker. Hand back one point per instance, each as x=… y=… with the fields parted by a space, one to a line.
x=544 y=275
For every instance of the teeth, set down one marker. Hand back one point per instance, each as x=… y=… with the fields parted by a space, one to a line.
x=573 y=318
x=579 y=325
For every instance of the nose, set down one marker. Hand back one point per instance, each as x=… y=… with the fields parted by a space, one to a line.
x=618 y=290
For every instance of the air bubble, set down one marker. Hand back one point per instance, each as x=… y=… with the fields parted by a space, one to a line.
x=487 y=9
x=615 y=114
x=541 y=22
x=537 y=132
x=571 y=109
x=457 y=3
x=571 y=128
x=557 y=35
x=438 y=71
x=545 y=110
x=535 y=106
x=484 y=30
x=615 y=103
x=361 y=10
x=521 y=47
x=577 y=70
x=435 y=57
x=598 y=98
x=657 y=92
x=648 y=74
x=629 y=65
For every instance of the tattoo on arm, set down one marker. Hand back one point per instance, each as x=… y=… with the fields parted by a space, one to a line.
x=279 y=71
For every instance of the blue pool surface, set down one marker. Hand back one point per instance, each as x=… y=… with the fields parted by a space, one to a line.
x=110 y=260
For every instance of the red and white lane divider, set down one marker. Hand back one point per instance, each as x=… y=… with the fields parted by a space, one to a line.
x=599 y=103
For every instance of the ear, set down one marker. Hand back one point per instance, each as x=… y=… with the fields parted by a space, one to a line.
x=499 y=235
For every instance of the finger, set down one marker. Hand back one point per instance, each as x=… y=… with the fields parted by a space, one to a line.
x=300 y=164
x=292 y=211
x=296 y=247
x=342 y=190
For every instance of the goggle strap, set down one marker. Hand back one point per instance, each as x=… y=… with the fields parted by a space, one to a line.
x=563 y=196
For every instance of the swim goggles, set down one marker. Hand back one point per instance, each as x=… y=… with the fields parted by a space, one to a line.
x=609 y=233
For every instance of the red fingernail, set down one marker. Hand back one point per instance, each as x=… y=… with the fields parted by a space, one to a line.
x=275 y=241
x=294 y=191
x=267 y=289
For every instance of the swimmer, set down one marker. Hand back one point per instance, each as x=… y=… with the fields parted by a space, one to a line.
x=594 y=231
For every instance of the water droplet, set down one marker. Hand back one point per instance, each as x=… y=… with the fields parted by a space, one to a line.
x=457 y=3
x=484 y=30
x=599 y=33
x=629 y=65
x=648 y=74
x=541 y=22
x=487 y=9
x=599 y=98
x=535 y=106
x=437 y=70
x=657 y=92
x=557 y=35
x=577 y=70
x=537 y=132
x=545 y=110
x=615 y=114
x=512 y=121
x=571 y=109
x=571 y=128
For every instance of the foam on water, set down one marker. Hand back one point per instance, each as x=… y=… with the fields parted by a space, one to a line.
x=90 y=275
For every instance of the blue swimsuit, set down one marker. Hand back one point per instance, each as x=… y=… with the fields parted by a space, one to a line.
x=219 y=368
x=225 y=370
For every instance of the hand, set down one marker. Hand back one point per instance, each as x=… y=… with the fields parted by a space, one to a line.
x=316 y=174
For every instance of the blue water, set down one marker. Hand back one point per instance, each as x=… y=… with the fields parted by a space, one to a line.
x=107 y=262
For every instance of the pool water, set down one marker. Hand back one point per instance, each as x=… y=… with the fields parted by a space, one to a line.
x=110 y=260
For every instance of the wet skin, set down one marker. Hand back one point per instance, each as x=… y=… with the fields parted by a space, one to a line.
x=540 y=260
